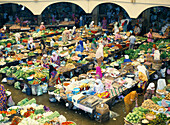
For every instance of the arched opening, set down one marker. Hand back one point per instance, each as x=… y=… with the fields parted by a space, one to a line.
x=155 y=17
x=9 y=13
x=111 y=11
x=62 y=11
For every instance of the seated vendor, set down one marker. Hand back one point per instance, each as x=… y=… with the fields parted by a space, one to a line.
x=44 y=61
x=127 y=59
x=129 y=99
x=2 y=35
x=105 y=41
x=98 y=87
x=8 y=48
x=80 y=46
x=98 y=72
x=118 y=37
x=54 y=78
x=94 y=44
x=30 y=45
x=150 y=92
x=55 y=58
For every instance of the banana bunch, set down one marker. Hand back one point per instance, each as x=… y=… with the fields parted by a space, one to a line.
x=39 y=75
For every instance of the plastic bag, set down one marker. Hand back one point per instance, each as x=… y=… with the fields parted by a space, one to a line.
x=24 y=89
x=39 y=91
x=164 y=104
x=10 y=102
x=44 y=87
x=4 y=80
x=61 y=119
x=33 y=89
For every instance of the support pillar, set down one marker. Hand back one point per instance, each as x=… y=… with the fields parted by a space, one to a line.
x=95 y=16
x=146 y=23
x=39 y=19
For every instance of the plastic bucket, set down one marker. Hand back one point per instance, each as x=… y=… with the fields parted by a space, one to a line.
x=76 y=90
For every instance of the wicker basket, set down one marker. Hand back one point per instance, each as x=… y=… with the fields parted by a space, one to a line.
x=102 y=110
x=10 y=82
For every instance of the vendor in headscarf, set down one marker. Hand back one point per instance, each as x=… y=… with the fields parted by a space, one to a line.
x=52 y=42
x=80 y=47
x=127 y=59
x=44 y=61
x=65 y=35
x=104 y=41
x=54 y=78
x=129 y=99
x=55 y=58
x=99 y=54
x=17 y=37
x=30 y=45
x=42 y=27
x=118 y=37
x=150 y=92
x=98 y=73
x=150 y=36
x=8 y=48
x=154 y=48
x=94 y=44
x=91 y=25
x=3 y=99
x=98 y=87
x=116 y=27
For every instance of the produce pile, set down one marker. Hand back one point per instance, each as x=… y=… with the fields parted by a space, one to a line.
x=149 y=104
x=160 y=119
x=138 y=113
x=32 y=114
x=23 y=72
x=167 y=97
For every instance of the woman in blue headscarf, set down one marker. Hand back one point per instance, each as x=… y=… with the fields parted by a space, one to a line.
x=80 y=47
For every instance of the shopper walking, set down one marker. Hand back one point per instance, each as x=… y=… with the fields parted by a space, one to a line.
x=132 y=40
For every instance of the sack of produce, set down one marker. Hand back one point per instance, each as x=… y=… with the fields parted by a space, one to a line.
x=17 y=85
x=24 y=89
x=39 y=91
x=44 y=87
x=33 y=89
x=10 y=102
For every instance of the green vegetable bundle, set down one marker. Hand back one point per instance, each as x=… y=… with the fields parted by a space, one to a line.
x=22 y=102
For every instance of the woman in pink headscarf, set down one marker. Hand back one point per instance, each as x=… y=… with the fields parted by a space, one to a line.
x=150 y=37
x=55 y=58
x=98 y=72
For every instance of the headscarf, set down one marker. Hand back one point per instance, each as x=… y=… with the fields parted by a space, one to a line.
x=154 y=46
x=8 y=44
x=100 y=87
x=98 y=71
x=80 y=47
x=99 y=52
x=151 y=86
x=161 y=84
x=93 y=41
x=105 y=37
x=30 y=41
x=126 y=57
x=3 y=98
x=54 y=57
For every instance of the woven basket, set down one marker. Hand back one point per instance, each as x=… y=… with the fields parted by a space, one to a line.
x=102 y=110
x=156 y=66
x=10 y=82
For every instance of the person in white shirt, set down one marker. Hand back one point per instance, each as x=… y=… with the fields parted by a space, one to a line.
x=132 y=40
